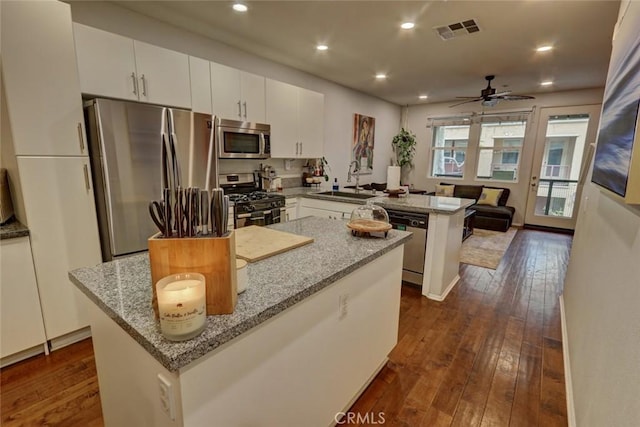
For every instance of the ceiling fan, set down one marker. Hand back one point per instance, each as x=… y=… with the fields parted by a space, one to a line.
x=490 y=98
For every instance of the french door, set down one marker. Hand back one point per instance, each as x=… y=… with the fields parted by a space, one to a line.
x=563 y=152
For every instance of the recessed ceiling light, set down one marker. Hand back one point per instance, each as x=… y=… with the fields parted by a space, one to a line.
x=546 y=83
x=381 y=76
x=239 y=7
x=423 y=97
x=322 y=47
x=544 y=48
x=407 y=25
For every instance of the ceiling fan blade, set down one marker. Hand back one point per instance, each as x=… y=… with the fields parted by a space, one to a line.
x=465 y=102
x=516 y=97
x=499 y=94
x=477 y=98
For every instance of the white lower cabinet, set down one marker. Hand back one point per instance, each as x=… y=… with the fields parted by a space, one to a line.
x=61 y=218
x=21 y=324
x=326 y=209
x=291 y=210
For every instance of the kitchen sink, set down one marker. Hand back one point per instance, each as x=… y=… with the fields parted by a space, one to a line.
x=346 y=194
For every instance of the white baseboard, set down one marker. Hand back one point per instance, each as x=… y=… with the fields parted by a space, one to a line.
x=437 y=297
x=22 y=355
x=70 y=338
x=568 y=384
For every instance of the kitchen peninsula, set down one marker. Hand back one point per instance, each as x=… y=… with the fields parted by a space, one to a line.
x=445 y=220
x=312 y=329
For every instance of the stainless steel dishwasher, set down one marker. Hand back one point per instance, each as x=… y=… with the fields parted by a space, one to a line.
x=414 y=249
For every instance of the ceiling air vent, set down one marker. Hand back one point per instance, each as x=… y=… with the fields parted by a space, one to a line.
x=457 y=29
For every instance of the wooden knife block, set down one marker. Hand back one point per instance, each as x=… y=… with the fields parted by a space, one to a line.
x=213 y=257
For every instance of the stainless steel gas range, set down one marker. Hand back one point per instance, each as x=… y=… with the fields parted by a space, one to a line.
x=251 y=206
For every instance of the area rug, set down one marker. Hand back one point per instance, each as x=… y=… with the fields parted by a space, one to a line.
x=485 y=248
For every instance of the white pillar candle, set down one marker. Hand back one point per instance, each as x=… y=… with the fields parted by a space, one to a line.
x=182 y=305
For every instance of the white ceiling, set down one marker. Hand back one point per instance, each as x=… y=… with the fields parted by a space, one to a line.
x=364 y=38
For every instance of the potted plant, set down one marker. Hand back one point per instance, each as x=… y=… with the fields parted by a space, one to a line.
x=404 y=147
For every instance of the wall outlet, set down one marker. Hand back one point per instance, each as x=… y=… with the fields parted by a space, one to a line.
x=343 y=306
x=167 y=398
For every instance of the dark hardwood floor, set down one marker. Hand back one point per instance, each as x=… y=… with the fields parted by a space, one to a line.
x=489 y=355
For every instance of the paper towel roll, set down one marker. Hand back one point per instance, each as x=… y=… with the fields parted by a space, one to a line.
x=393 y=177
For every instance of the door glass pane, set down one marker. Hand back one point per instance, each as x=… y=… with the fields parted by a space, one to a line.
x=560 y=171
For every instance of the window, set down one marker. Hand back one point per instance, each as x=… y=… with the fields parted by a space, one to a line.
x=492 y=141
x=449 y=150
x=499 y=149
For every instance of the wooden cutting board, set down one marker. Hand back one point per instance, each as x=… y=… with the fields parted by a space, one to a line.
x=254 y=243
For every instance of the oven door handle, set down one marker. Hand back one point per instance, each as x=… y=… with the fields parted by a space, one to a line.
x=266 y=212
x=241 y=216
x=256 y=218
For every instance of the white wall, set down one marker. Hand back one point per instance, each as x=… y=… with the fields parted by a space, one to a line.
x=417 y=119
x=602 y=303
x=340 y=103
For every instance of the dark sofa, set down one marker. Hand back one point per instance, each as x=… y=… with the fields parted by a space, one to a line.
x=496 y=218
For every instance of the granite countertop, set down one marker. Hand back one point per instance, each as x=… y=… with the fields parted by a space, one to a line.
x=417 y=203
x=122 y=288
x=425 y=204
x=12 y=230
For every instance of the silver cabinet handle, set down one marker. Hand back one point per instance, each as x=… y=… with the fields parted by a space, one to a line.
x=297 y=148
x=87 y=184
x=245 y=109
x=135 y=83
x=80 y=137
x=301 y=148
x=144 y=85
x=239 y=110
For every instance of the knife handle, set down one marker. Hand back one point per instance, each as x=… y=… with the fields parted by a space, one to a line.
x=204 y=212
x=168 y=207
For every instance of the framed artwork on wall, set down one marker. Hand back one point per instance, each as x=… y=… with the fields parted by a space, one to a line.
x=616 y=167
x=363 y=142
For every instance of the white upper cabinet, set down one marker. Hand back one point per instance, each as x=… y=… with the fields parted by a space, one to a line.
x=118 y=67
x=200 y=85
x=296 y=116
x=41 y=79
x=163 y=75
x=106 y=63
x=237 y=95
x=282 y=115
x=311 y=123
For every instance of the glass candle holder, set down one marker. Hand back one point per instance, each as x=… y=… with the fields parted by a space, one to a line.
x=181 y=305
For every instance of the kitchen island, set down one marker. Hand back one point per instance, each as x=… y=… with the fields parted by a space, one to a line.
x=312 y=329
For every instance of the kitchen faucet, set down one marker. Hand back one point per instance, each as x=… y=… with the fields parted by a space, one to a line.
x=355 y=171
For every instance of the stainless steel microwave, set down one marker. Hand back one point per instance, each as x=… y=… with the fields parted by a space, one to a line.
x=242 y=140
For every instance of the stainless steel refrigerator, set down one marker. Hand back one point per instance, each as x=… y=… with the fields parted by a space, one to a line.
x=125 y=143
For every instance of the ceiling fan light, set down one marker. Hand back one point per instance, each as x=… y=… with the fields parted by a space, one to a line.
x=239 y=7
x=322 y=47
x=544 y=48
x=422 y=97
x=381 y=76
x=546 y=83
x=490 y=102
x=407 y=25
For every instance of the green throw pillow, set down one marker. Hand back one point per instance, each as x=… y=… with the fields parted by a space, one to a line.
x=490 y=196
